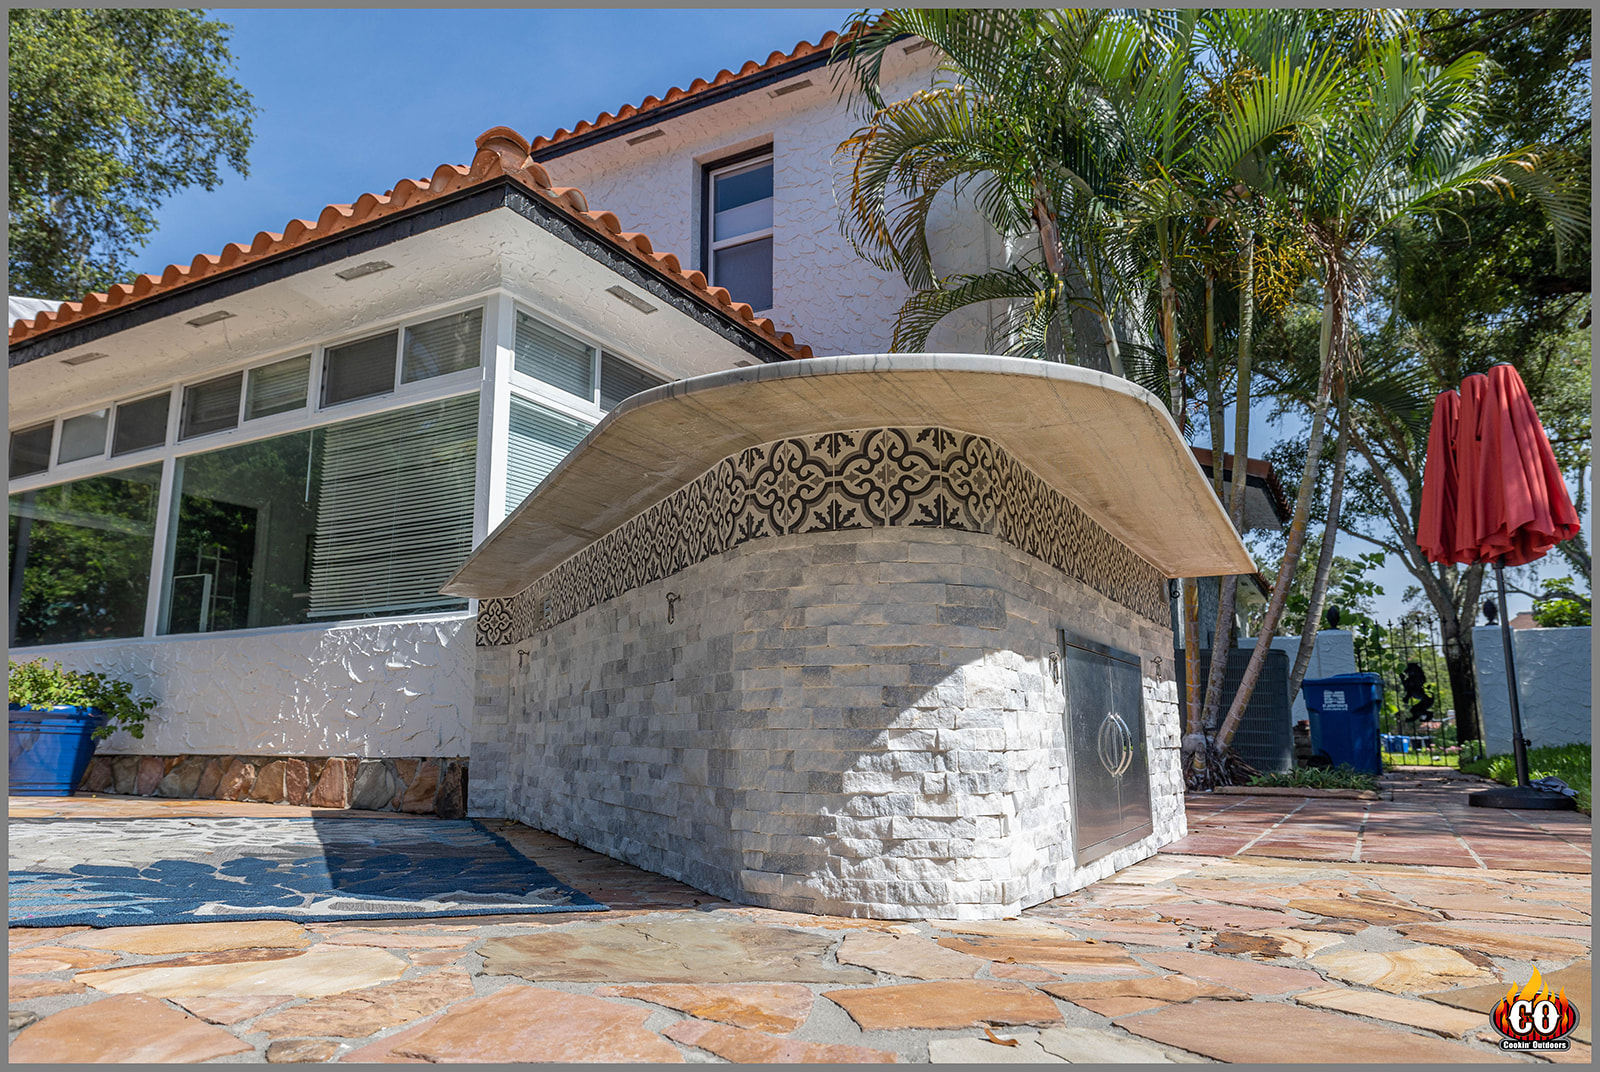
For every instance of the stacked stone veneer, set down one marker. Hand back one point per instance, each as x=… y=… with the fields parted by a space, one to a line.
x=421 y=785
x=847 y=720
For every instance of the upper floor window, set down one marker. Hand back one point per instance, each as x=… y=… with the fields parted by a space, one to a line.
x=740 y=215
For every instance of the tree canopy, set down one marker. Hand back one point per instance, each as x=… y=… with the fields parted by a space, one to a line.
x=111 y=111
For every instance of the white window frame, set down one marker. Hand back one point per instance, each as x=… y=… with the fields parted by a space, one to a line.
x=713 y=246
x=312 y=415
x=533 y=389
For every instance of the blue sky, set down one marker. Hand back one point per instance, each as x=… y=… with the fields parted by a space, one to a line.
x=351 y=101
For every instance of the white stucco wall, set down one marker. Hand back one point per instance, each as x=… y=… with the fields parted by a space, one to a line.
x=393 y=688
x=828 y=296
x=1554 y=671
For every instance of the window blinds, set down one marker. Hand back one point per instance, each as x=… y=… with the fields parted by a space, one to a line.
x=394 y=518
x=619 y=379
x=539 y=439
x=278 y=388
x=554 y=358
x=442 y=346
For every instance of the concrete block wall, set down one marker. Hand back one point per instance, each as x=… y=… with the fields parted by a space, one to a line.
x=1554 y=675
x=858 y=723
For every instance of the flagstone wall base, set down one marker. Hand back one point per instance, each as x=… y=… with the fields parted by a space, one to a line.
x=426 y=786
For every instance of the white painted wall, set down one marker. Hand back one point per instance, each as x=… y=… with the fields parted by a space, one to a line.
x=392 y=688
x=1554 y=674
x=824 y=293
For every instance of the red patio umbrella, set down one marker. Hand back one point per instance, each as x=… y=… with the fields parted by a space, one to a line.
x=1436 y=529
x=1492 y=492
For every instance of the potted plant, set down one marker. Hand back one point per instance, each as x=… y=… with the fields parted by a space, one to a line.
x=56 y=717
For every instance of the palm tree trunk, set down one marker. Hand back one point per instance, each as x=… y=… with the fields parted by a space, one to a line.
x=1108 y=336
x=1297 y=533
x=1330 y=532
x=1190 y=592
x=1222 y=637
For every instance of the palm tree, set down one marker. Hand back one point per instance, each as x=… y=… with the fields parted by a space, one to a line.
x=1404 y=140
x=1012 y=121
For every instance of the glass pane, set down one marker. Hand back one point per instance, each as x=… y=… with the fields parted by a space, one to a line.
x=741 y=187
x=30 y=450
x=554 y=357
x=245 y=516
x=756 y=216
x=747 y=272
x=83 y=437
x=140 y=424
x=540 y=438
x=278 y=387
x=360 y=369
x=619 y=379
x=211 y=406
x=394 y=514
x=443 y=346
x=80 y=557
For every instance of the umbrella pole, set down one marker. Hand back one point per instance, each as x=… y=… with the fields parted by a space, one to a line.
x=1519 y=747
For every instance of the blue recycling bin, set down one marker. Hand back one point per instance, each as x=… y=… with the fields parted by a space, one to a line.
x=1344 y=718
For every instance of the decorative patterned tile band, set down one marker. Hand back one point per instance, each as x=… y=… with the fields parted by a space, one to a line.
x=871 y=478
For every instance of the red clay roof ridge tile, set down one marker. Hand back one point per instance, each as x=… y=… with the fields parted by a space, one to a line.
x=501 y=151
x=628 y=111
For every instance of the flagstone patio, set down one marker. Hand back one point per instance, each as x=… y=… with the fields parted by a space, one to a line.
x=1280 y=930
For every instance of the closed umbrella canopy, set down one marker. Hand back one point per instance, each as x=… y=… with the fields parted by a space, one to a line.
x=1491 y=488
x=1519 y=501
x=1436 y=529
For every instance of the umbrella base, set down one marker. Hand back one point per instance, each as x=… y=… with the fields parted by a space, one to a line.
x=1522 y=798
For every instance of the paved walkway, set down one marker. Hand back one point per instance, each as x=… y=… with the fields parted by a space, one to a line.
x=1283 y=931
x=1428 y=820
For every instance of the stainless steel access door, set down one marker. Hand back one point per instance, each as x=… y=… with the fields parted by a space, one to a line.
x=1108 y=758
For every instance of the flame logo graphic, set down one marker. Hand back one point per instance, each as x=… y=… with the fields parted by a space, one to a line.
x=1535 y=1013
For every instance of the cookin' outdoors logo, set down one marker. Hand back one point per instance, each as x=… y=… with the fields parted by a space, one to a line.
x=1534 y=1018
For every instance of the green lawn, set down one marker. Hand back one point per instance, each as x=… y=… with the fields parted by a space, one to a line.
x=1569 y=762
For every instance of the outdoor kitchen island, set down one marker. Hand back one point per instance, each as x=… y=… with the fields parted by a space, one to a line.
x=881 y=635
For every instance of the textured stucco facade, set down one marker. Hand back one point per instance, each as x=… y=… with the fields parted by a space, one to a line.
x=1554 y=674
x=822 y=290
x=861 y=722
x=368 y=689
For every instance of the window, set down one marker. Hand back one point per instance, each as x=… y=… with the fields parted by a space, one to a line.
x=394 y=519
x=83 y=436
x=80 y=557
x=554 y=357
x=359 y=369
x=740 y=215
x=439 y=347
x=212 y=406
x=619 y=379
x=30 y=449
x=140 y=425
x=365 y=517
x=277 y=388
x=540 y=438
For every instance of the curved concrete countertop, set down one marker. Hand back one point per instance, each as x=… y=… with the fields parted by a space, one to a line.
x=1107 y=444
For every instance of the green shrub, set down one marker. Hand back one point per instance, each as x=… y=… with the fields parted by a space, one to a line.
x=1343 y=776
x=1569 y=762
x=42 y=684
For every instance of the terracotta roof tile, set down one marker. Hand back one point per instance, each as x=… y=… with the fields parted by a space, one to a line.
x=699 y=85
x=501 y=152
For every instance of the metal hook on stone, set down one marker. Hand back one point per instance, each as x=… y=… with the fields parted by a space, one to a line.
x=1055 y=666
x=672 y=599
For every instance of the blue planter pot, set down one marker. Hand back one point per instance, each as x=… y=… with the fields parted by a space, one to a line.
x=50 y=748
